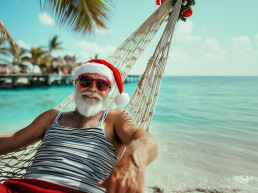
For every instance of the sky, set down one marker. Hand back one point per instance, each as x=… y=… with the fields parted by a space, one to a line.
x=219 y=39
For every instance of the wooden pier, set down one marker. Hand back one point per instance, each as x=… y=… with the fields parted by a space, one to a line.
x=14 y=81
x=132 y=78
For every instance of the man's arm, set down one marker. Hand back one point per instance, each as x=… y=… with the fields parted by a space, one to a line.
x=128 y=175
x=28 y=135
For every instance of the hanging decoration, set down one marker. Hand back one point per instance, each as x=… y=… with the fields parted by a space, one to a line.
x=188 y=12
x=159 y=2
x=184 y=3
x=185 y=11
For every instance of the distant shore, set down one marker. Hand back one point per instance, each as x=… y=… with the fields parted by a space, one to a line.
x=13 y=81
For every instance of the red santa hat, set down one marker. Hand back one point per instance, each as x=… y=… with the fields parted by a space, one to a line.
x=106 y=69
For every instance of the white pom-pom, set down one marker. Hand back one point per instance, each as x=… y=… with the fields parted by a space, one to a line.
x=121 y=99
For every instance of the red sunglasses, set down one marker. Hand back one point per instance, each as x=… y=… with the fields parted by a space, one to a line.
x=86 y=81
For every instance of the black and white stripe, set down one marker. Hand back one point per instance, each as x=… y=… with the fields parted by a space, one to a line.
x=76 y=158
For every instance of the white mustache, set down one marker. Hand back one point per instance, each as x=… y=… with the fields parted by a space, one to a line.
x=91 y=94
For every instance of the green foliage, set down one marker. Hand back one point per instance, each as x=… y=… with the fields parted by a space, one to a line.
x=36 y=55
x=54 y=44
x=23 y=57
x=82 y=16
x=189 y=5
x=96 y=56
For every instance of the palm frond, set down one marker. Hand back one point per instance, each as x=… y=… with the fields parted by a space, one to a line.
x=4 y=33
x=82 y=16
x=54 y=44
x=4 y=51
x=5 y=61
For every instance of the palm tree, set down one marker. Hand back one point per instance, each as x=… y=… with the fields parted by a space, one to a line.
x=40 y=57
x=5 y=35
x=81 y=16
x=37 y=55
x=22 y=52
x=96 y=56
x=3 y=50
x=53 y=44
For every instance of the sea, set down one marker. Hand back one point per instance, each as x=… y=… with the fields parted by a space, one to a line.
x=206 y=129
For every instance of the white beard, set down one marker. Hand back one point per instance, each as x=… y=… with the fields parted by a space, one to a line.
x=89 y=107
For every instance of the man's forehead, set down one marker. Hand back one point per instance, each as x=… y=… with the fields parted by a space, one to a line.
x=95 y=75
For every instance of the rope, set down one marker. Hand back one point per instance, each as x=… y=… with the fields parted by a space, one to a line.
x=146 y=94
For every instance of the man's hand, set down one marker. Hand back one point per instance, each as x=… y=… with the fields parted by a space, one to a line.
x=126 y=177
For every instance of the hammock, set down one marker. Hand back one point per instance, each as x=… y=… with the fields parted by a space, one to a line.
x=143 y=101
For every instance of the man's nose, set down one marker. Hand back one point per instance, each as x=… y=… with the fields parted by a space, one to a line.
x=93 y=87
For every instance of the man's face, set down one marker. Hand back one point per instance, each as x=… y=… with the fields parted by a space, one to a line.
x=90 y=100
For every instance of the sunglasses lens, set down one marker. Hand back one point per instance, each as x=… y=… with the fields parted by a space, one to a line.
x=85 y=81
x=102 y=85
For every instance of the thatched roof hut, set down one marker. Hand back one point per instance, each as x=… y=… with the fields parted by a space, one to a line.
x=65 y=65
x=7 y=69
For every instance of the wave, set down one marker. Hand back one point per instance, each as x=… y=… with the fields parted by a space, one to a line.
x=157 y=189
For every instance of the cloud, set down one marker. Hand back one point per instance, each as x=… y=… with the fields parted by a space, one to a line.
x=247 y=51
x=184 y=32
x=46 y=19
x=23 y=44
x=212 y=47
x=179 y=54
x=256 y=38
x=240 y=42
x=62 y=53
x=177 y=62
x=243 y=47
x=90 y=49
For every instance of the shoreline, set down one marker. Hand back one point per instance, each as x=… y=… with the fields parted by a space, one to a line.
x=14 y=81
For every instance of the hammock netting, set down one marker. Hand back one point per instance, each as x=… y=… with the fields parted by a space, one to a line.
x=144 y=99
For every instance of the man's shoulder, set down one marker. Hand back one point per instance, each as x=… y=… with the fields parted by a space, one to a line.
x=49 y=114
x=118 y=112
x=119 y=115
x=45 y=119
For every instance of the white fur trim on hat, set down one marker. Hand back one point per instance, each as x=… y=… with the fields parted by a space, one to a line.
x=121 y=99
x=95 y=68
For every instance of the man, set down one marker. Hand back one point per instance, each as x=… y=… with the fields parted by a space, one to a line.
x=82 y=149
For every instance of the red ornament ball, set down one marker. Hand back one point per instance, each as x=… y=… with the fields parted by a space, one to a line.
x=188 y=13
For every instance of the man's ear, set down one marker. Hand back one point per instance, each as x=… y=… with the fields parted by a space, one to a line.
x=75 y=81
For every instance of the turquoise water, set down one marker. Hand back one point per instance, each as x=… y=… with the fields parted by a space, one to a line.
x=206 y=128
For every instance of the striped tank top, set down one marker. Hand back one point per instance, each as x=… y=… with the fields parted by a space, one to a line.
x=76 y=158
